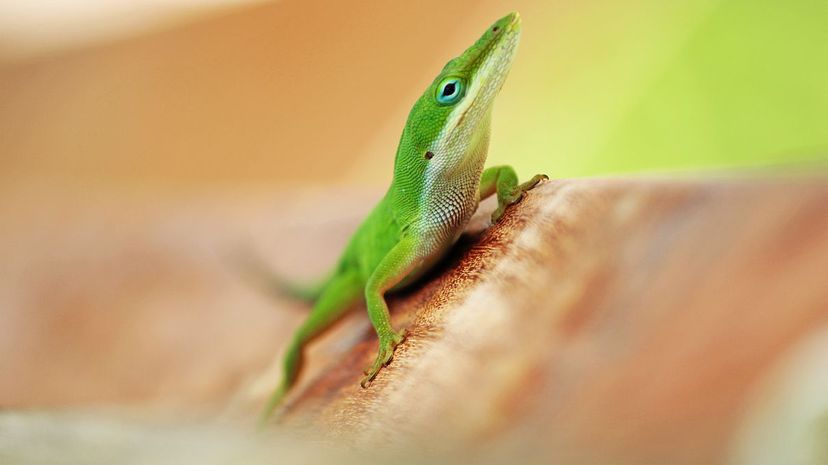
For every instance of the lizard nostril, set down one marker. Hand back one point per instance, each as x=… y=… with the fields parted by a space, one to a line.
x=495 y=29
x=429 y=155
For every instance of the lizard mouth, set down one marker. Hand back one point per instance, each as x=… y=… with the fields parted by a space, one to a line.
x=494 y=62
x=464 y=137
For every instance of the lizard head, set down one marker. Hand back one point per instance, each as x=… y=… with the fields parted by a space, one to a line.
x=448 y=127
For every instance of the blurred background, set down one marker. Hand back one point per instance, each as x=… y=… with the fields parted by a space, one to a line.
x=142 y=141
x=228 y=92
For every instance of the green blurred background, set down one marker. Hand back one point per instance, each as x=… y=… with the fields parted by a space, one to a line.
x=675 y=85
x=697 y=84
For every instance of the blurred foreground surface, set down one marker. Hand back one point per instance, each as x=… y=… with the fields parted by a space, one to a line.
x=622 y=321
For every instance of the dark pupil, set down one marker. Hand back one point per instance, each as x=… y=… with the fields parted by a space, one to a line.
x=449 y=89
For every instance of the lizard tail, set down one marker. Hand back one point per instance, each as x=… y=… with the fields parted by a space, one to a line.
x=253 y=269
x=305 y=292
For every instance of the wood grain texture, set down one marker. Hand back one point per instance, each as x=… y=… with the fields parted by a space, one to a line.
x=601 y=319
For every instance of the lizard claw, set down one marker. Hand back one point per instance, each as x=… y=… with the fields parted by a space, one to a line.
x=517 y=195
x=536 y=179
x=384 y=356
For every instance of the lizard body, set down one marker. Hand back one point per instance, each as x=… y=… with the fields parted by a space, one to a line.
x=437 y=185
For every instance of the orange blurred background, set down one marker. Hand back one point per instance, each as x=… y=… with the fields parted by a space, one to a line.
x=287 y=92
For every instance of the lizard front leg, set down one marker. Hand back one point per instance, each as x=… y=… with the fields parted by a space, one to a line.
x=504 y=181
x=392 y=269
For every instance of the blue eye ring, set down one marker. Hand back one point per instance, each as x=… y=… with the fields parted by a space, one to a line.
x=450 y=91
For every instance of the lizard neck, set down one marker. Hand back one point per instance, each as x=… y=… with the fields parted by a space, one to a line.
x=441 y=199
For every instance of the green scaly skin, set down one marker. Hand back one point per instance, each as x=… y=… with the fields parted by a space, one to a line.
x=438 y=182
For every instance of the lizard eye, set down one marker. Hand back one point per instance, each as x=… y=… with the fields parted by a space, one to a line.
x=449 y=91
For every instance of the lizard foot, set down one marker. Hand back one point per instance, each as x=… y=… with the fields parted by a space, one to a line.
x=517 y=195
x=386 y=352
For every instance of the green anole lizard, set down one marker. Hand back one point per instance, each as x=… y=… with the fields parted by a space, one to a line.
x=438 y=182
